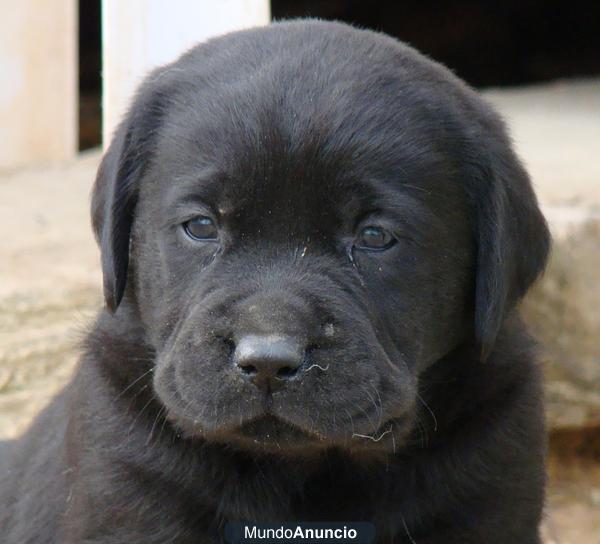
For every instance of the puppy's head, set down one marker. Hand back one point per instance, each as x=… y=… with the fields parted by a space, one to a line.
x=305 y=217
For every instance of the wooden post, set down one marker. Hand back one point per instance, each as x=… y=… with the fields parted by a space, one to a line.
x=138 y=35
x=38 y=75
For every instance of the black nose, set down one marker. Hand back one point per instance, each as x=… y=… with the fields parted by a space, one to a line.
x=270 y=360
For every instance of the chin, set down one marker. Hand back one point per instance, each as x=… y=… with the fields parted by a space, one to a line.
x=271 y=434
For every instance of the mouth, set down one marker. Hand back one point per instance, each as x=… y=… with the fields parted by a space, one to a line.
x=271 y=434
x=269 y=428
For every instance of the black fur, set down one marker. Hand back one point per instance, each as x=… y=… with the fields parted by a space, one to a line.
x=418 y=406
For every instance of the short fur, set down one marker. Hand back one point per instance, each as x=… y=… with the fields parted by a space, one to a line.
x=419 y=405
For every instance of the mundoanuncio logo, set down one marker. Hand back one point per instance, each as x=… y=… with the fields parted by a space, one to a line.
x=306 y=533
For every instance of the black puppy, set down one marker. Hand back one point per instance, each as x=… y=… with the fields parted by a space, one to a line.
x=313 y=241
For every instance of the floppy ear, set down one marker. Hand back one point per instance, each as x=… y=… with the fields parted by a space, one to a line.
x=115 y=191
x=513 y=241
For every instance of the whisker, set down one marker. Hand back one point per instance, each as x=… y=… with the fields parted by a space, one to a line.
x=351 y=420
x=324 y=369
x=135 y=396
x=412 y=540
x=143 y=375
x=138 y=415
x=416 y=188
x=372 y=438
x=377 y=408
x=144 y=359
x=158 y=416
x=162 y=427
x=380 y=401
x=435 y=423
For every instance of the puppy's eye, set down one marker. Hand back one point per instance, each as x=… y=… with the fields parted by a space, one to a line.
x=374 y=239
x=201 y=228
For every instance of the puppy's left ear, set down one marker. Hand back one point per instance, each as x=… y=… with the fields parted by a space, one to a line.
x=513 y=241
x=115 y=192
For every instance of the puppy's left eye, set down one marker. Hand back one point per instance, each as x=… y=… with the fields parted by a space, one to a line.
x=374 y=239
x=201 y=228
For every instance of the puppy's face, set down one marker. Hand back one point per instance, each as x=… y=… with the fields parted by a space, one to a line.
x=293 y=291
x=302 y=247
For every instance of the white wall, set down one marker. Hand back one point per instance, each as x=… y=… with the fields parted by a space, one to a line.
x=38 y=81
x=138 y=35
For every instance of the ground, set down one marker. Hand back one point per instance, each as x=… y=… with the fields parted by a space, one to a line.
x=50 y=288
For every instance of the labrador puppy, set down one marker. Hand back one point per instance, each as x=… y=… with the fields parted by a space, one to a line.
x=313 y=242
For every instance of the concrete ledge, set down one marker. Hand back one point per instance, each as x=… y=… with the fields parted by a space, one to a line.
x=563 y=311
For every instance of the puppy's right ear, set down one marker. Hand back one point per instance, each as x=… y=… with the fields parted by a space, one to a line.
x=116 y=188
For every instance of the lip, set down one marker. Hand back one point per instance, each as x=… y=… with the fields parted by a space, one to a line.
x=266 y=428
x=270 y=433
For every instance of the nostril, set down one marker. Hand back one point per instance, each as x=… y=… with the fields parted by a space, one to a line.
x=286 y=372
x=268 y=360
x=228 y=343
x=310 y=349
x=248 y=370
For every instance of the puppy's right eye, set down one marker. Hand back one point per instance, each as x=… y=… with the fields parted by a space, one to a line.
x=201 y=228
x=373 y=238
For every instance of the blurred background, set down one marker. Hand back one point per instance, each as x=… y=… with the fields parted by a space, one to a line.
x=67 y=70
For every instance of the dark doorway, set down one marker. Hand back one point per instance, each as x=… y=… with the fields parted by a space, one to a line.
x=487 y=43
x=90 y=74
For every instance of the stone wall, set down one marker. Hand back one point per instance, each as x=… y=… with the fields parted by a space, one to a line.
x=556 y=129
